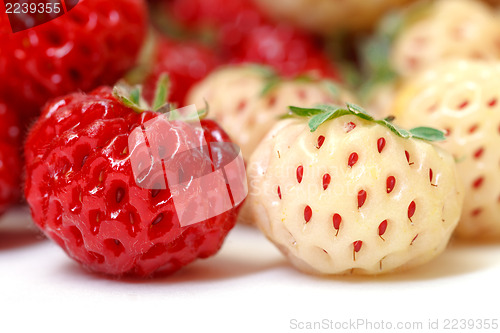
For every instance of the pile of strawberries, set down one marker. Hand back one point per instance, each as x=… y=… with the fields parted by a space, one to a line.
x=127 y=185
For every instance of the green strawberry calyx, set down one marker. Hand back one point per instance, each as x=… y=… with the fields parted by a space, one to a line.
x=131 y=96
x=322 y=113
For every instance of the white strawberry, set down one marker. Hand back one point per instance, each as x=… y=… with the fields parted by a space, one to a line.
x=348 y=194
x=247 y=100
x=420 y=36
x=327 y=16
x=463 y=97
x=446 y=29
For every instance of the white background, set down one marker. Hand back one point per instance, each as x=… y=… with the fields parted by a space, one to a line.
x=247 y=287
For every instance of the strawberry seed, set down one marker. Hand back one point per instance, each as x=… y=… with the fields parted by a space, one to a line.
x=326 y=181
x=307 y=213
x=361 y=198
x=300 y=173
x=476 y=212
x=478 y=182
x=380 y=144
x=337 y=219
x=478 y=153
x=353 y=158
x=390 y=183
x=349 y=126
x=321 y=140
x=357 y=245
x=382 y=228
x=411 y=210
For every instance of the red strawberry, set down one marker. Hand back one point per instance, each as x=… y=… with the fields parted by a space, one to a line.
x=242 y=15
x=289 y=51
x=186 y=63
x=84 y=194
x=10 y=159
x=95 y=43
x=244 y=34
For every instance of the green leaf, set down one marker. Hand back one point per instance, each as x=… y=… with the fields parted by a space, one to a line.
x=304 y=112
x=319 y=119
x=396 y=130
x=161 y=92
x=322 y=113
x=130 y=96
x=358 y=109
x=135 y=95
x=127 y=102
x=427 y=133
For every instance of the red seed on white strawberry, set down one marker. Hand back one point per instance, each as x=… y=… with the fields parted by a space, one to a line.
x=326 y=181
x=356 y=248
x=431 y=177
x=476 y=212
x=353 y=158
x=361 y=198
x=411 y=210
x=307 y=213
x=463 y=105
x=473 y=128
x=300 y=173
x=321 y=140
x=382 y=228
x=478 y=182
x=380 y=144
x=478 y=153
x=349 y=126
x=337 y=220
x=390 y=183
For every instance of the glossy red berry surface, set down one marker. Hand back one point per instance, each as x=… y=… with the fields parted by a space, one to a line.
x=94 y=43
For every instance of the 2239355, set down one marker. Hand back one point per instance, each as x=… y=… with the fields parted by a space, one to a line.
x=25 y=8
x=471 y=324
